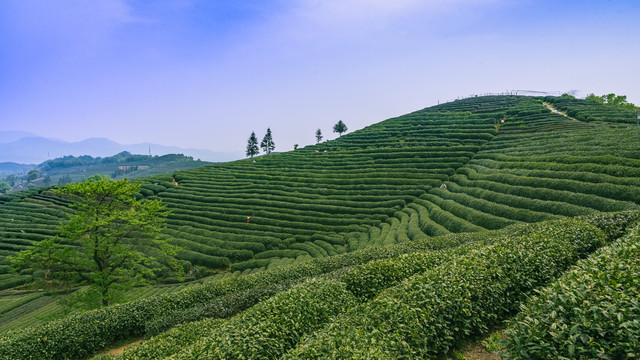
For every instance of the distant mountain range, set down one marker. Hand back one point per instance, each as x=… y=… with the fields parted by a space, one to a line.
x=26 y=148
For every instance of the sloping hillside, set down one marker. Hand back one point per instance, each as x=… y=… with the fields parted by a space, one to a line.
x=467 y=166
x=473 y=164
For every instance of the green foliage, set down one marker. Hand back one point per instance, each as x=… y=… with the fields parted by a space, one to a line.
x=252 y=145
x=164 y=345
x=102 y=244
x=427 y=314
x=98 y=328
x=274 y=326
x=33 y=174
x=493 y=343
x=590 y=312
x=267 y=144
x=611 y=100
x=373 y=187
x=339 y=127
x=4 y=187
x=221 y=307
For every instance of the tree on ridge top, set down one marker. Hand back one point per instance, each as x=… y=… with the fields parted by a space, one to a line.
x=252 y=145
x=267 y=142
x=339 y=128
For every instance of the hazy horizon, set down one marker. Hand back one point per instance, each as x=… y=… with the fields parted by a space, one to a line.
x=205 y=74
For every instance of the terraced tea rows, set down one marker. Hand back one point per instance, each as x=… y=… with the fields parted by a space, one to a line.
x=591 y=111
x=487 y=273
x=26 y=218
x=540 y=166
x=321 y=200
x=465 y=166
x=479 y=163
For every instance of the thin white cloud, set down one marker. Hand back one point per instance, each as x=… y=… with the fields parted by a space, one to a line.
x=348 y=11
x=66 y=25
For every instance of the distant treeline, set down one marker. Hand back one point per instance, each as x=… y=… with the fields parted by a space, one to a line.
x=123 y=157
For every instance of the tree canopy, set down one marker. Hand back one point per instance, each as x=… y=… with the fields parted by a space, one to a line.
x=612 y=99
x=4 y=187
x=340 y=127
x=267 y=142
x=318 y=136
x=252 y=145
x=111 y=242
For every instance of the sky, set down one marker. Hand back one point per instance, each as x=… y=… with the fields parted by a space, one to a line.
x=206 y=73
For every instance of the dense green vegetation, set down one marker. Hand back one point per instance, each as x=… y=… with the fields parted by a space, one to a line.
x=591 y=312
x=391 y=218
x=70 y=169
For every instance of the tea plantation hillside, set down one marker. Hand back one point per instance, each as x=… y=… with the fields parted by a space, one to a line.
x=414 y=300
x=471 y=165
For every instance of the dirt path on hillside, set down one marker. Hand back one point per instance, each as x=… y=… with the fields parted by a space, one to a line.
x=556 y=111
x=121 y=348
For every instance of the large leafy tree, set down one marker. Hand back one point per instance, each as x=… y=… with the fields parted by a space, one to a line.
x=339 y=127
x=111 y=242
x=252 y=145
x=267 y=142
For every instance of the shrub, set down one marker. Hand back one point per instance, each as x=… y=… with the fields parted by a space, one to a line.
x=591 y=312
x=426 y=315
x=82 y=334
x=272 y=327
x=222 y=307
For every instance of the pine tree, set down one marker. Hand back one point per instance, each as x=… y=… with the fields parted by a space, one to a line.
x=267 y=142
x=340 y=127
x=318 y=136
x=252 y=145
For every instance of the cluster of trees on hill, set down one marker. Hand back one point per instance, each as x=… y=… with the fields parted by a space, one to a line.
x=68 y=169
x=619 y=101
x=123 y=157
x=267 y=145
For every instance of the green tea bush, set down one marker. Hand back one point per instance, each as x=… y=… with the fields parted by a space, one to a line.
x=445 y=219
x=615 y=224
x=600 y=203
x=492 y=208
x=547 y=206
x=606 y=190
x=369 y=279
x=472 y=216
x=233 y=255
x=221 y=307
x=426 y=315
x=250 y=264
x=274 y=326
x=196 y=258
x=8 y=281
x=80 y=335
x=165 y=345
x=290 y=253
x=329 y=248
x=592 y=312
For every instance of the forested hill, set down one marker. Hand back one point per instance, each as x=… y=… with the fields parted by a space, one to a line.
x=401 y=239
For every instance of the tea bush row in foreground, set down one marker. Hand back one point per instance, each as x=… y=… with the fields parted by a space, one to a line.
x=592 y=312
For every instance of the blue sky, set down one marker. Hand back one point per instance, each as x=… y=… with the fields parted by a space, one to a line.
x=204 y=74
